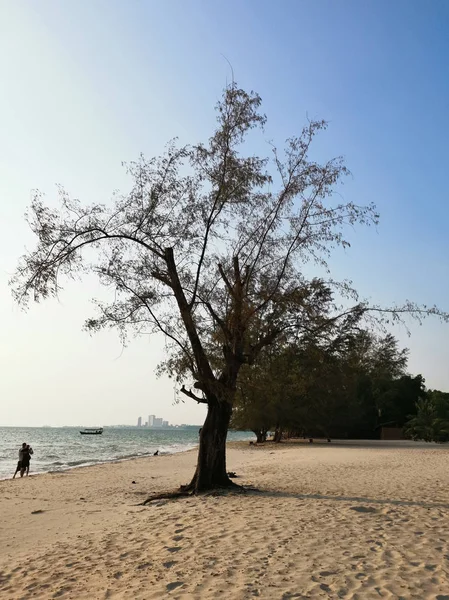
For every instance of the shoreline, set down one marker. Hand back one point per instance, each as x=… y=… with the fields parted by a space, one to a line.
x=231 y=444
x=102 y=462
x=47 y=458
x=320 y=442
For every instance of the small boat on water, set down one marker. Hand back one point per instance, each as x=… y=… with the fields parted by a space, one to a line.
x=92 y=431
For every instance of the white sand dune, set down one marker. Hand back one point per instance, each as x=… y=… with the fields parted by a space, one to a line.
x=331 y=521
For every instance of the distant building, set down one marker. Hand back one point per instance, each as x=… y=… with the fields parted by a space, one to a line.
x=164 y=423
x=391 y=433
x=139 y=422
x=157 y=422
x=151 y=420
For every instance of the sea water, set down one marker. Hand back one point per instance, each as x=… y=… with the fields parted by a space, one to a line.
x=62 y=448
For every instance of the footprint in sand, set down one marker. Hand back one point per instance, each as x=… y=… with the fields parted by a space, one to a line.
x=31 y=586
x=174 y=585
x=174 y=548
x=178 y=538
x=61 y=592
x=169 y=564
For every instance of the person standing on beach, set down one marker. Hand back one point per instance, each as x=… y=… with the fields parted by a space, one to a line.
x=23 y=465
x=19 y=464
x=26 y=459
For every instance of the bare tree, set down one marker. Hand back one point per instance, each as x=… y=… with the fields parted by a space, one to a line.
x=207 y=248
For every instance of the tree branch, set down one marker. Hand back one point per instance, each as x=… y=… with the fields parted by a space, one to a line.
x=193 y=396
x=185 y=310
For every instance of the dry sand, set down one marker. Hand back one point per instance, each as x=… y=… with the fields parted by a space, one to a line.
x=333 y=521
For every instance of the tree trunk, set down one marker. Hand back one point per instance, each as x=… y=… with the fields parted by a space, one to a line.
x=277 y=435
x=211 y=466
x=261 y=435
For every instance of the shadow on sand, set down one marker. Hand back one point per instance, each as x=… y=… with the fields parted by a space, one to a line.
x=377 y=444
x=386 y=501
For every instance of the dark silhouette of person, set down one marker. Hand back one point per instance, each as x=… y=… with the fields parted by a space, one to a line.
x=23 y=465
x=27 y=459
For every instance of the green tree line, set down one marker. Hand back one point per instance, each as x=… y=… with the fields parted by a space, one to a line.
x=349 y=386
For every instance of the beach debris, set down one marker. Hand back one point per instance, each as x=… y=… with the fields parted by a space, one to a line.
x=232 y=475
x=37 y=512
x=133 y=482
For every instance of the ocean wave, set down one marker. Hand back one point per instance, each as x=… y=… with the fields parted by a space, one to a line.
x=86 y=461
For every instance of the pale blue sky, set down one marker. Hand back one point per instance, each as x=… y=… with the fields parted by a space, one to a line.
x=87 y=84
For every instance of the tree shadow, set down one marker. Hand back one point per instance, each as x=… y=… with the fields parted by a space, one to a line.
x=375 y=444
x=380 y=501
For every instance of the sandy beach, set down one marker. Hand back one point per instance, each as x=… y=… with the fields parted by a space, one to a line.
x=331 y=521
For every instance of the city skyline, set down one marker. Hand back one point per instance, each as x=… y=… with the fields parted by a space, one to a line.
x=153 y=422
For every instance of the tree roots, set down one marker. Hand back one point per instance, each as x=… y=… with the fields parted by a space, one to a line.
x=187 y=491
